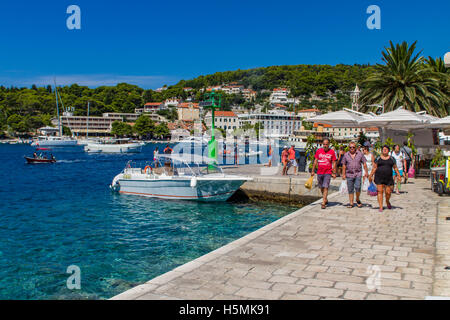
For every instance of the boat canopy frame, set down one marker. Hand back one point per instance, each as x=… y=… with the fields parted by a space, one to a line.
x=179 y=165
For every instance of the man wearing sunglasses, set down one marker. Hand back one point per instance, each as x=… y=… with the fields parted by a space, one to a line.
x=352 y=164
x=325 y=161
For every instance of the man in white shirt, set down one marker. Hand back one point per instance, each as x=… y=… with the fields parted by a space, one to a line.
x=400 y=160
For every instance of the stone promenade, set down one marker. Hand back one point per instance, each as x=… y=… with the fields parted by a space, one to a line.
x=336 y=253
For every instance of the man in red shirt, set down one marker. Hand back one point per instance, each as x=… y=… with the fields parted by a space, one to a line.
x=292 y=161
x=325 y=161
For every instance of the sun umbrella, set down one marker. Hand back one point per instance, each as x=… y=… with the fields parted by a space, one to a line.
x=399 y=119
x=342 y=118
x=443 y=123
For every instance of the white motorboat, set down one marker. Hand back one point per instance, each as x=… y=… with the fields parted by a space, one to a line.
x=114 y=146
x=54 y=141
x=187 y=177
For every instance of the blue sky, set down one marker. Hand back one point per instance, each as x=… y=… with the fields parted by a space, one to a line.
x=151 y=43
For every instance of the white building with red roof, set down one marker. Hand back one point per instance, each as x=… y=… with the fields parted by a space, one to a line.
x=172 y=102
x=226 y=120
x=280 y=95
x=309 y=113
x=233 y=89
x=249 y=94
x=150 y=107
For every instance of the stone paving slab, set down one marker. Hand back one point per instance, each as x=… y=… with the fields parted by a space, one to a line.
x=336 y=253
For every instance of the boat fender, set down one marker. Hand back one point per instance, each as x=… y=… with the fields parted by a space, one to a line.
x=193 y=182
x=146 y=168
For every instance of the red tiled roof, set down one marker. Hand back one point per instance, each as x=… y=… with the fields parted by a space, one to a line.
x=153 y=104
x=224 y=114
x=187 y=105
x=309 y=110
x=371 y=129
x=280 y=89
x=280 y=106
x=316 y=124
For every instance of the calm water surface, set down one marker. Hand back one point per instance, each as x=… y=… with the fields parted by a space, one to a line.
x=56 y=215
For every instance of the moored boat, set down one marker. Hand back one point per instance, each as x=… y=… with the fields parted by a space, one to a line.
x=114 y=146
x=54 y=141
x=177 y=177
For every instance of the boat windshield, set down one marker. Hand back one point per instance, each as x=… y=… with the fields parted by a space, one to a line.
x=172 y=166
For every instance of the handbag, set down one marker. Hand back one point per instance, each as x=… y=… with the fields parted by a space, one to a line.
x=411 y=172
x=309 y=182
x=365 y=185
x=343 y=189
x=372 y=190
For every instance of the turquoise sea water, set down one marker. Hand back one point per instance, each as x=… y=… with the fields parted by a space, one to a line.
x=56 y=215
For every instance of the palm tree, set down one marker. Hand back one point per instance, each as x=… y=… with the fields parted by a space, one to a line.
x=406 y=80
x=443 y=73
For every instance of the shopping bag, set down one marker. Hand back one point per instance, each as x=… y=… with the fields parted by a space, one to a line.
x=309 y=182
x=411 y=172
x=343 y=188
x=372 y=190
x=365 y=185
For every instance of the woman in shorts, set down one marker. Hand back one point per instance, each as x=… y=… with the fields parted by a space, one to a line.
x=382 y=169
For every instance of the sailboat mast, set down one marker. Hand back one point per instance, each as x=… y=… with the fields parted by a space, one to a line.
x=57 y=110
x=87 y=124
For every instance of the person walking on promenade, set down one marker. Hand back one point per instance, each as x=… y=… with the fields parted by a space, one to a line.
x=284 y=160
x=382 y=169
x=370 y=159
x=401 y=163
x=269 y=154
x=408 y=157
x=325 y=161
x=339 y=160
x=352 y=163
x=292 y=160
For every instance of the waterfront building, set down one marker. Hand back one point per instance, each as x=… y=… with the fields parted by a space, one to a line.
x=309 y=113
x=182 y=129
x=226 y=120
x=301 y=136
x=372 y=133
x=188 y=111
x=274 y=123
x=100 y=126
x=346 y=134
x=48 y=131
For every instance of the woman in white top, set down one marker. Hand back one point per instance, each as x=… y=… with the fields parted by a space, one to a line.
x=400 y=160
x=370 y=159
